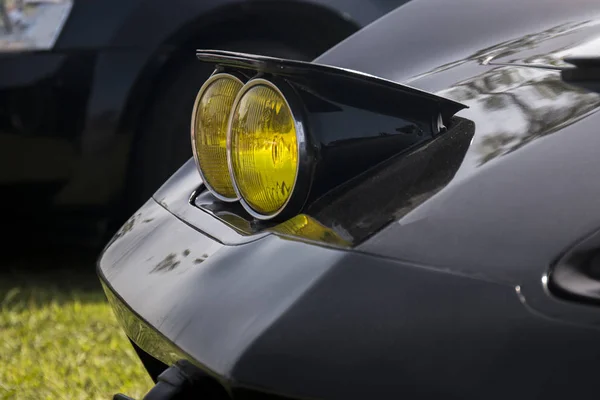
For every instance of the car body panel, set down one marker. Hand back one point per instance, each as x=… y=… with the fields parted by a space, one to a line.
x=309 y=321
x=449 y=300
x=462 y=32
x=233 y=327
x=524 y=192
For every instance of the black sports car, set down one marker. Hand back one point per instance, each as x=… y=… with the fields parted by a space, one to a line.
x=412 y=215
x=95 y=93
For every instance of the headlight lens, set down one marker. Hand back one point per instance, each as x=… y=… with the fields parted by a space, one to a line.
x=209 y=133
x=263 y=149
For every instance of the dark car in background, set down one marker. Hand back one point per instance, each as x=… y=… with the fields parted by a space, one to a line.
x=94 y=94
x=412 y=215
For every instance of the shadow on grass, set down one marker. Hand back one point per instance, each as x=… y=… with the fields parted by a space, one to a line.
x=49 y=274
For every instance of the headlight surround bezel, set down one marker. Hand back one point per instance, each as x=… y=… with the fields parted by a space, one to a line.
x=301 y=186
x=216 y=75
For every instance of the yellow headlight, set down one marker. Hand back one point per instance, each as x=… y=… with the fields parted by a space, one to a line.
x=209 y=133
x=263 y=151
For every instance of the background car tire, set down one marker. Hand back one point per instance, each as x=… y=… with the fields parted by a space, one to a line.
x=162 y=142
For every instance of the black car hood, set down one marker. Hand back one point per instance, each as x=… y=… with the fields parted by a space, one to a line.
x=425 y=36
x=525 y=191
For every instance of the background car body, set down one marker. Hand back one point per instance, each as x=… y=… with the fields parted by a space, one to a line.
x=454 y=298
x=71 y=115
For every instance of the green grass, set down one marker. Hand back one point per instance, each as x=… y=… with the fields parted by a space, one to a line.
x=58 y=336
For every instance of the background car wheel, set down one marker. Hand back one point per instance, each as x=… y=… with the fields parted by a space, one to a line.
x=162 y=141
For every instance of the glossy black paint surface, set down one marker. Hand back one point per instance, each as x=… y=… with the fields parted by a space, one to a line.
x=576 y=275
x=177 y=194
x=455 y=297
x=524 y=192
x=311 y=321
x=348 y=140
x=363 y=205
x=68 y=116
x=468 y=33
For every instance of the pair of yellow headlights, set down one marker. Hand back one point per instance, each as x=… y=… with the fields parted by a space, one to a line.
x=245 y=141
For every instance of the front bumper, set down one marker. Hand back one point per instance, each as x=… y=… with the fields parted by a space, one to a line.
x=267 y=313
x=180 y=294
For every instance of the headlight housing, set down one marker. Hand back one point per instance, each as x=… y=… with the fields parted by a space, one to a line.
x=31 y=24
x=300 y=135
